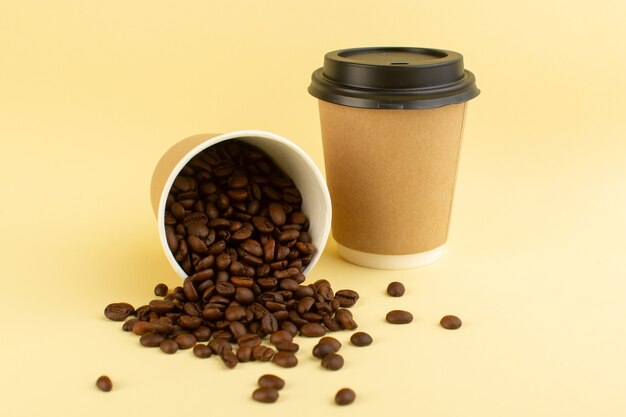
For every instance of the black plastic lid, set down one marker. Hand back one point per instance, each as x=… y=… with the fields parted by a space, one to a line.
x=393 y=78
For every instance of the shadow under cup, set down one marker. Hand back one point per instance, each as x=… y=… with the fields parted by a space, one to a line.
x=287 y=156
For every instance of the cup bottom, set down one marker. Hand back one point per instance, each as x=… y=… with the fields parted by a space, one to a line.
x=375 y=261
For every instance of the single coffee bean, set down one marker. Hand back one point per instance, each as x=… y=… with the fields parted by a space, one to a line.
x=332 y=361
x=244 y=353
x=277 y=214
x=160 y=290
x=234 y=313
x=161 y=306
x=202 y=334
x=118 y=311
x=262 y=353
x=186 y=340
x=142 y=327
x=329 y=339
x=345 y=396
x=395 y=289
x=287 y=346
x=218 y=345
x=262 y=224
x=322 y=349
x=265 y=395
x=285 y=359
x=289 y=327
x=151 y=339
x=345 y=318
x=312 y=330
x=249 y=339
x=104 y=383
x=281 y=336
x=271 y=381
x=169 y=346
x=361 y=339
x=399 y=317
x=229 y=358
x=450 y=322
x=347 y=298
x=128 y=324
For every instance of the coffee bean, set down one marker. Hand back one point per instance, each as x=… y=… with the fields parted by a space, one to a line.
x=160 y=290
x=345 y=396
x=169 y=346
x=281 y=336
x=262 y=224
x=265 y=395
x=332 y=361
x=271 y=381
x=262 y=353
x=186 y=340
x=161 y=306
x=322 y=349
x=289 y=327
x=329 y=339
x=361 y=339
x=128 y=324
x=277 y=214
x=395 y=289
x=151 y=339
x=287 y=346
x=249 y=339
x=345 y=318
x=269 y=324
x=399 y=317
x=104 y=383
x=244 y=353
x=234 y=313
x=217 y=345
x=450 y=322
x=347 y=298
x=285 y=359
x=142 y=327
x=229 y=358
x=202 y=333
x=118 y=311
x=312 y=330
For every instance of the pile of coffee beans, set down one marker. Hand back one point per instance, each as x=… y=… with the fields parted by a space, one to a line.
x=232 y=210
x=233 y=221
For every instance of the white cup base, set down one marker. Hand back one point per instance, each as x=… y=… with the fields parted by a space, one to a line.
x=375 y=261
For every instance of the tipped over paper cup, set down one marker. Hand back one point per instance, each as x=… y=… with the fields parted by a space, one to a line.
x=287 y=156
x=392 y=122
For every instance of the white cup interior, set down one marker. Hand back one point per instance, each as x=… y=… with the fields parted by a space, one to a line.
x=293 y=161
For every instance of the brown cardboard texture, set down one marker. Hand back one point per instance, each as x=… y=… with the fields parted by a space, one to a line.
x=391 y=175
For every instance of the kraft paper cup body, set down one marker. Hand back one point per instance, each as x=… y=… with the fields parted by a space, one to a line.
x=391 y=176
x=392 y=122
x=285 y=154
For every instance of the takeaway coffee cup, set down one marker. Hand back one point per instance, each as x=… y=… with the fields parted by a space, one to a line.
x=392 y=121
x=289 y=157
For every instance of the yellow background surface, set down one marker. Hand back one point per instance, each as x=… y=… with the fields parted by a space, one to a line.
x=92 y=94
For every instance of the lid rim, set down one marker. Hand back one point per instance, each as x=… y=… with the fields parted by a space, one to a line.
x=393 y=77
x=460 y=91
